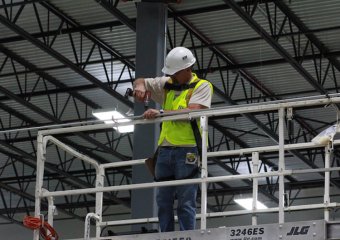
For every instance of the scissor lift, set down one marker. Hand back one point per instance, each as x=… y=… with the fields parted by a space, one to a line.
x=307 y=230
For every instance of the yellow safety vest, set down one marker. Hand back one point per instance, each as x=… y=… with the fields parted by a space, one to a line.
x=179 y=132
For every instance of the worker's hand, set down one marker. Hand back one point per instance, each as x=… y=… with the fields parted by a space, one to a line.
x=151 y=113
x=139 y=90
x=139 y=94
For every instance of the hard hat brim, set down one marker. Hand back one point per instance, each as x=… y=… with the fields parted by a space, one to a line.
x=168 y=71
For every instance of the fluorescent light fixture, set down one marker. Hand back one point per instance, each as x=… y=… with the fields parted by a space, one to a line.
x=247 y=203
x=107 y=115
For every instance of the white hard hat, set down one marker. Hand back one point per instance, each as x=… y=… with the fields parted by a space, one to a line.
x=178 y=59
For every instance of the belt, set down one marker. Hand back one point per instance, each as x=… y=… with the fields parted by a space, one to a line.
x=168 y=147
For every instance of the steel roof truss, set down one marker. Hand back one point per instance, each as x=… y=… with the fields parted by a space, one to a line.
x=87 y=34
x=43 y=75
x=62 y=59
x=50 y=167
x=298 y=44
x=53 y=118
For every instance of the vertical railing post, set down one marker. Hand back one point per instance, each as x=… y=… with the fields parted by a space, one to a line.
x=99 y=199
x=327 y=181
x=51 y=210
x=41 y=151
x=204 y=172
x=281 y=163
x=255 y=163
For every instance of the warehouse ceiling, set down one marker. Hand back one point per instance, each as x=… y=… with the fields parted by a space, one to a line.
x=61 y=60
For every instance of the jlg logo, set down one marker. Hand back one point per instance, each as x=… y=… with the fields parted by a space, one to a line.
x=297 y=231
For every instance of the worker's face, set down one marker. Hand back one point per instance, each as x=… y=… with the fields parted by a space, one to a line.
x=183 y=76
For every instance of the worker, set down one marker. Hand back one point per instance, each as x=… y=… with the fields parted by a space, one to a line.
x=179 y=91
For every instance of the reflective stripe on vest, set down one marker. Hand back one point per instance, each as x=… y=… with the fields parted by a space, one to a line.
x=179 y=132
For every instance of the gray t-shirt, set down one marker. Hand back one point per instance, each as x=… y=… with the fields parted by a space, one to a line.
x=202 y=95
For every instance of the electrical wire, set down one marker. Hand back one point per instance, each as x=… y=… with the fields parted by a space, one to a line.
x=43 y=226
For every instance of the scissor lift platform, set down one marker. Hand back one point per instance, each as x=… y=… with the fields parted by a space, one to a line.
x=306 y=230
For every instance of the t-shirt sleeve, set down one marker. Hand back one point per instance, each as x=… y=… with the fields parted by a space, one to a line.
x=155 y=86
x=202 y=95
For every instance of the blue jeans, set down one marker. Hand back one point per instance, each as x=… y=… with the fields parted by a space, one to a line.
x=171 y=163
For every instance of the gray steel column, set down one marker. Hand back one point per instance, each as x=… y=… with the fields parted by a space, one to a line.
x=150 y=53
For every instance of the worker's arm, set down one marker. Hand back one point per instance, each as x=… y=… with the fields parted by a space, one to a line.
x=151 y=86
x=139 y=89
x=201 y=95
x=153 y=113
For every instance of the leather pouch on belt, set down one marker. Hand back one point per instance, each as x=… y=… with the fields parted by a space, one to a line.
x=151 y=163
